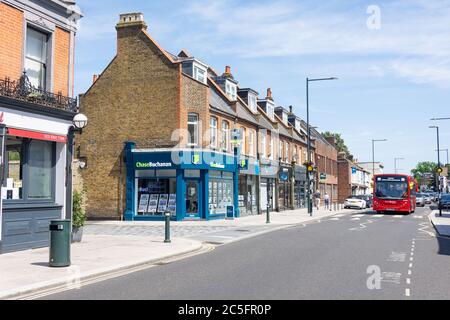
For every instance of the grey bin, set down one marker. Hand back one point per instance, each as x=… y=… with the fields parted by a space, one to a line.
x=59 y=243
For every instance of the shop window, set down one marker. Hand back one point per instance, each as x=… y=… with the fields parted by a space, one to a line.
x=36 y=57
x=166 y=173
x=213 y=132
x=220 y=192
x=29 y=170
x=192 y=173
x=156 y=196
x=40 y=170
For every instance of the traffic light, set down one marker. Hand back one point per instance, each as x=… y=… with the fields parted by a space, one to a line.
x=439 y=170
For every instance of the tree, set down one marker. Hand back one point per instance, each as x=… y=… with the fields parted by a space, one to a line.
x=426 y=168
x=340 y=143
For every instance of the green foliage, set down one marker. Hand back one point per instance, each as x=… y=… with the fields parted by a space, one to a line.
x=79 y=216
x=425 y=167
x=340 y=143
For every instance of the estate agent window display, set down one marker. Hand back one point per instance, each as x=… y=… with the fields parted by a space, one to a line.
x=29 y=170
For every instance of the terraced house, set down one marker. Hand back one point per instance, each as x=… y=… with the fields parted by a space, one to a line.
x=37 y=41
x=163 y=132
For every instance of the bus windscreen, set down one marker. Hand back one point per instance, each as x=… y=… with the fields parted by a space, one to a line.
x=391 y=188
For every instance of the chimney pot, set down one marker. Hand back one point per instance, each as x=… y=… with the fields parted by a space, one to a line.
x=227 y=70
x=290 y=109
x=94 y=78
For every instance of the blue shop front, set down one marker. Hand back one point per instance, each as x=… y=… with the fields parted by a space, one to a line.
x=188 y=183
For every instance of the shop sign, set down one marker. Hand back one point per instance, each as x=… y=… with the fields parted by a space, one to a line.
x=196 y=158
x=149 y=165
x=216 y=165
x=283 y=176
x=243 y=164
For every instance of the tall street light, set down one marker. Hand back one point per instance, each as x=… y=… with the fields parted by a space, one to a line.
x=438 y=176
x=395 y=163
x=373 y=154
x=308 y=183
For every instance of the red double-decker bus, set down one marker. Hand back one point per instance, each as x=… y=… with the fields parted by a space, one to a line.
x=394 y=193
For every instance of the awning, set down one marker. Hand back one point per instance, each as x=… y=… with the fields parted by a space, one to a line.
x=37 y=135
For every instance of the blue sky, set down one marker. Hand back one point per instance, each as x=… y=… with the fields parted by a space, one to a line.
x=392 y=60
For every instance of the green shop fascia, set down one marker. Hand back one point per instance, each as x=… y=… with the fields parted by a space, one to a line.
x=188 y=183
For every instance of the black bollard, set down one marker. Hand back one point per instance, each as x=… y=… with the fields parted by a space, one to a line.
x=268 y=213
x=167 y=218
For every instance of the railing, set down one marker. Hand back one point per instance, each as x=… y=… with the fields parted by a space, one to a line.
x=23 y=90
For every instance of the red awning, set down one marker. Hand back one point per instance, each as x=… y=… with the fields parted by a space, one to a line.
x=37 y=135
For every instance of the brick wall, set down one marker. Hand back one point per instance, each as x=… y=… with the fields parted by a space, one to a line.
x=61 y=61
x=136 y=99
x=344 y=183
x=11 y=42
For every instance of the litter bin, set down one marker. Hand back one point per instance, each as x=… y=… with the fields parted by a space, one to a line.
x=59 y=243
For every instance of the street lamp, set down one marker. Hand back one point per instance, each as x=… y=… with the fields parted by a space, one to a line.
x=438 y=184
x=310 y=209
x=373 y=154
x=395 y=163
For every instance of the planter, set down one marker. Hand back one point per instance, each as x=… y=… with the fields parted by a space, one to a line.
x=77 y=234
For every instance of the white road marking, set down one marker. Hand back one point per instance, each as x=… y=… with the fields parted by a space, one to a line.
x=418 y=217
x=407 y=292
x=412 y=253
x=410 y=265
x=358 y=215
x=334 y=219
x=408 y=281
x=354 y=219
x=378 y=216
x=409 y=272
x=398 y=216
x=411 y=259
x=339 y=215
x=397 y=257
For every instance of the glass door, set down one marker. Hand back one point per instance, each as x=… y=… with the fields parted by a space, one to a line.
x=192 y=199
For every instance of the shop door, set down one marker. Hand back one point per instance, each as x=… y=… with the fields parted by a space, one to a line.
x=263 y=196
x=192 y=199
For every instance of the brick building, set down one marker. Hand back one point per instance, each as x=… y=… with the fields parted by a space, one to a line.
x=161 y=137
x=352 y=178
x=37 y=41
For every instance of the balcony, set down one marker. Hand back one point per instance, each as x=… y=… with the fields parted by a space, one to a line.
x=23 y=90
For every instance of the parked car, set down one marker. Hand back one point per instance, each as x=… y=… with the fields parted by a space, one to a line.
x=366 y=197
x=354 y=202
x=444 y=203
x=420 y=200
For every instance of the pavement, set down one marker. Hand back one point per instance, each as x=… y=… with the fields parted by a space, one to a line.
x=441 y=223
x=358 y=255
x=112 y=248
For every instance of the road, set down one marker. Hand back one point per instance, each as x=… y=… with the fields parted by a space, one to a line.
x=329 y=259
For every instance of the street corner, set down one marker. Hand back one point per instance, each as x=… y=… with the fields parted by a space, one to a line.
x=441 y=222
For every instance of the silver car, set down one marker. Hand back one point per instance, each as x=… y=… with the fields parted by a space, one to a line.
x=420 y=200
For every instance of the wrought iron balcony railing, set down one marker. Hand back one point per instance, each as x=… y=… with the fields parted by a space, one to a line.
x=23 y=90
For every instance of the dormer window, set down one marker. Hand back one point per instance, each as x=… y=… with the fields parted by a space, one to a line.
x=285 y=118
x=270 y=109
x=297 y=125
x=199 y=74
x=252 y=103
x=231 y=90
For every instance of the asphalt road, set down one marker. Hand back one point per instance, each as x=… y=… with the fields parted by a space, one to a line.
x=355 y=256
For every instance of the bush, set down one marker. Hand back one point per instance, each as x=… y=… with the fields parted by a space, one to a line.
x=79 y=216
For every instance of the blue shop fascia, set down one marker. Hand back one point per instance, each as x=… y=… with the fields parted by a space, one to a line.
x=188 y=183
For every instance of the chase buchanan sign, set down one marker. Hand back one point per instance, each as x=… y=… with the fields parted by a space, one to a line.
x=149 y=165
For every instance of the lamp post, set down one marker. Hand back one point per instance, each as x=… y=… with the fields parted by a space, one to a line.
x=395 y=163
x=438 y=176
x=294 y=162
x=79 y=122
x=308 y=178
x=373 y=154
x=236 y=142
x=447 y=153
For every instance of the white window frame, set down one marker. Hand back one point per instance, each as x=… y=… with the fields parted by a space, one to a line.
x=252 y=102
x=194 y=143
x=286 y=156
x=199 y=74
x=263 y=145
x=251 y=143
x=225 y=136
x=243 y=140
x=271 y=147
x=213 y=132
x=231 y=90
x=43 y=61
x=270 y=110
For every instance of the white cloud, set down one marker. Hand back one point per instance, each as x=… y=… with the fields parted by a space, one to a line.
x=413 y=41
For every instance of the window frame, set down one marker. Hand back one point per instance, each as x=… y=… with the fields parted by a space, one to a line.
x=196 y=127
x=225 y=136
x=47 y=54
x=251 y=143
x=198 y=71
x=213 y=132
x=26 y=175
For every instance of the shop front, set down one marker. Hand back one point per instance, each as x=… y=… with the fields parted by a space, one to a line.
x=187 y=183
x=284 y=188
x=248 y=176
x=267 y=186
x=33 y=171
x=300 y=187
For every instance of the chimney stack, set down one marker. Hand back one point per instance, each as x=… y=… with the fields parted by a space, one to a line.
x=94 y=78
x=269 y=94
x=227 y=70
x=129 y=25
x=290 y=109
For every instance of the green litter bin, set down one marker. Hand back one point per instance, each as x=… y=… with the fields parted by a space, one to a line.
x=59 y=243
